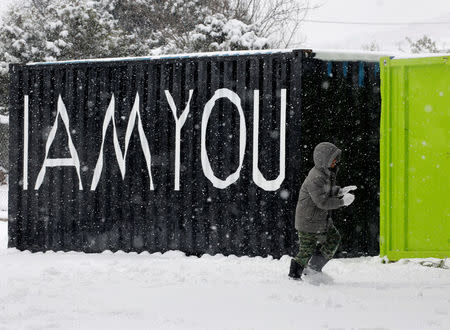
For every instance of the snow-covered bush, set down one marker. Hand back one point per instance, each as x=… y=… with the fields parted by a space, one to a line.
x=44 y=30
x=422 y=45
x=175 y=26
x=221 y=33
x=57 y=30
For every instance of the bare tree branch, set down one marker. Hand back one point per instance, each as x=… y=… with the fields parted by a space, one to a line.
x=278 y=20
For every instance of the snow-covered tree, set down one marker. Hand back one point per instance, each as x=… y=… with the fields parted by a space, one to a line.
x=175 y=26
x=57 y=30
x=221 y=33
x=422 y=45
x=45 y=30
x=170 y=23
x=373 y=46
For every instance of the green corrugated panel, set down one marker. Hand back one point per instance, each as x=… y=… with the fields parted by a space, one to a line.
x=415 y=158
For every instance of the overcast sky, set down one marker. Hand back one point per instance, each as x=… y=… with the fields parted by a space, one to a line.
x=353 y=36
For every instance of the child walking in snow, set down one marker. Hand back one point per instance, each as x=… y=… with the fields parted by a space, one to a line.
x=319 y=238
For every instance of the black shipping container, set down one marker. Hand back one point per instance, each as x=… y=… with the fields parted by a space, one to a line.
x=203 y=154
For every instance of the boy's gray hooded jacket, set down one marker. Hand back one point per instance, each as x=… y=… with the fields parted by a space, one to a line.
x=318 y=193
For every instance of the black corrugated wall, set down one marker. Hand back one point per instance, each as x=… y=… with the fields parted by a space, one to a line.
x=125 y=213
x=341 y=103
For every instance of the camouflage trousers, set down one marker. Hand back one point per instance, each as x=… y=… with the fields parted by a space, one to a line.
x=327 y=243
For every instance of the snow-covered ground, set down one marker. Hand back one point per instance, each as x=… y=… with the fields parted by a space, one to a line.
x=171 y=291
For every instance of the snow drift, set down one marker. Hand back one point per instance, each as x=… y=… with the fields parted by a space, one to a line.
x=171 y=291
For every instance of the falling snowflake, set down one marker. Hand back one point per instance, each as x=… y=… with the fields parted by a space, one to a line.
x=284 y=194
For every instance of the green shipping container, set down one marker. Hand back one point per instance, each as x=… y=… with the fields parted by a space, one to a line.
x=415 y=158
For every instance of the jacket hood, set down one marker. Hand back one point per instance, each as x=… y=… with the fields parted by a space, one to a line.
x=324 y=154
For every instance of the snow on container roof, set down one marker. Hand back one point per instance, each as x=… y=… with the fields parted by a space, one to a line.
x=171 y=56
x=405 y=56
x=349 y=55
x=326 y=55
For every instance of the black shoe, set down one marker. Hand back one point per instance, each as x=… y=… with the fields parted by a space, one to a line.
x=317 y=262
x=295 y=271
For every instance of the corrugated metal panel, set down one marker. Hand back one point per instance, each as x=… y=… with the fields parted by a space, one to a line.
x=337 y=108
x=123 y=212
x=415 y=144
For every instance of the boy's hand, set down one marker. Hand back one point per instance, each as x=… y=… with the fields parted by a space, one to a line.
x=345 y=190
x=348 y=199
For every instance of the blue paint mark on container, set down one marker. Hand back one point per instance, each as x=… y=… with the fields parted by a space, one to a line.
x=376 y=69
x=361 y=74
x=329 y=69
x=345 y=69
